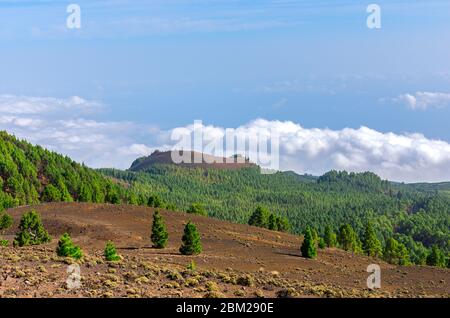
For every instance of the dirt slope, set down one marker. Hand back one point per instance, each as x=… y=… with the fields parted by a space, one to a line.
x=230 y=252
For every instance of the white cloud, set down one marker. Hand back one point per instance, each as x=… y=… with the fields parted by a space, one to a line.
x=21 y=105
x=424 y=100
x=402 y=157
x=59 y=125
x=63 y=125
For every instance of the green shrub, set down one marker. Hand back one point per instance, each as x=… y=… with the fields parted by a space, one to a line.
x=51 y=194
x=322 y=243
x=110 y=252
x=171 y=207
x=197 y=208
x=211 y=286
x=159 y=235
x=371 y=244
x=308 y=247
x=278 y=223
x=245 y=280
x=436 y=257
x=192 y=266
x=330 y=237
x=5 y=221
x=154 y=201
x=67 y=249
x=31 y=230
x=396 y=253
x=191 y=240
x=348 y=239
x=260 y=217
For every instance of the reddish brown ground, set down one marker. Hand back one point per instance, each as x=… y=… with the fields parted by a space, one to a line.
x=230 y=251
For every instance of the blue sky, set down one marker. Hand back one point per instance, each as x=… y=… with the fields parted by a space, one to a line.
x=163 y=64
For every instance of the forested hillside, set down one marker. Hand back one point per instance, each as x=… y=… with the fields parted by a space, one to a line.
x=417 y=219
x=30 y=174
x=441 y=187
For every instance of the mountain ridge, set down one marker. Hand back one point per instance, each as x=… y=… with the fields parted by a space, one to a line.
x=191 y=159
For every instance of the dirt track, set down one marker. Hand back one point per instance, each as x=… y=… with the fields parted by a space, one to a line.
x=230 y=251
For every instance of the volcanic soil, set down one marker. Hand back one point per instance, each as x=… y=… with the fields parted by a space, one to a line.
x=237 y=261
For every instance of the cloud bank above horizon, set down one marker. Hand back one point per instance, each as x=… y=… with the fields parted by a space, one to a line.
x=67 y=126
x=424 y=100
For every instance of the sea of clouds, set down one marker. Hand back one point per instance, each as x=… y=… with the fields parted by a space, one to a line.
x=67 y=126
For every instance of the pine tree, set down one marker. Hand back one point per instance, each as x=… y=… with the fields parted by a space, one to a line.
x=197 y=208
x=98 y=194
x=272 y=223
x=159 y=232
x=132 y=198
x=283 y=224
x=65 y=195
x=143 y=200
x=436 y=257
x=330 y=237
x=171 y=206
x=66 y=248
x=154 y=201
x=51 y=194
x=111 y=253
x=259 y=217
x=372 y=246
x=112 y=196
x=31 y=230
x=348 y=239
x=358 y=245
x=403 y=255
x=5 y=221
x=390 y=250
x=276 y=223
x=315 y=236
x=322 y=243
x=85 y=194
x=191 y=240
x=395 y=252
x=308 y=247
x=418 y=253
